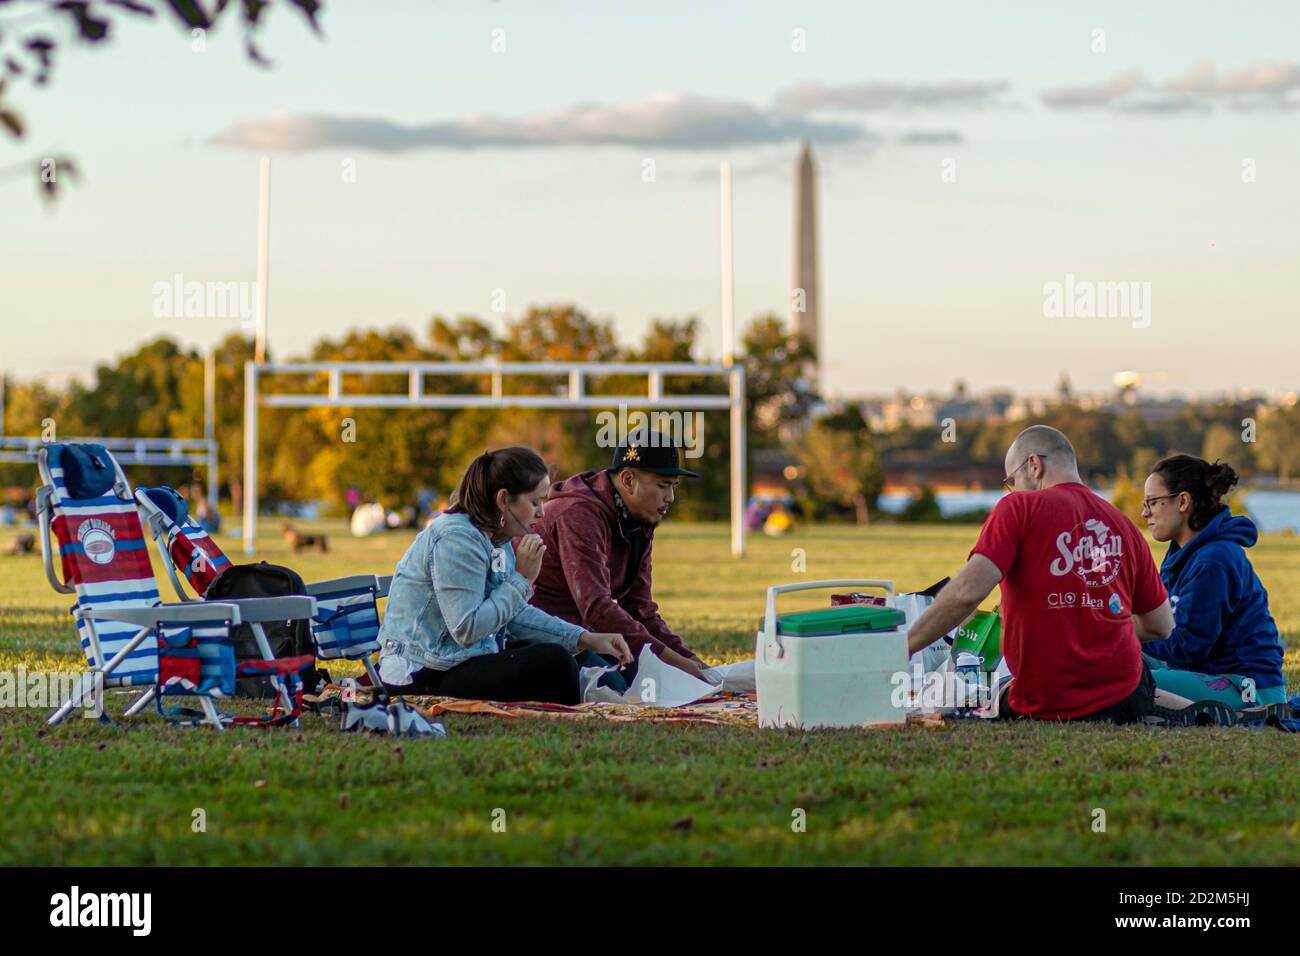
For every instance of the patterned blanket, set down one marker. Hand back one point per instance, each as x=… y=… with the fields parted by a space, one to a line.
x=725 y=709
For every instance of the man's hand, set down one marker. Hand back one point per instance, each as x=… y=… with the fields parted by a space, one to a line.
x=955 y=603
x=528 y=556
x=608 y=645
x=689 y=665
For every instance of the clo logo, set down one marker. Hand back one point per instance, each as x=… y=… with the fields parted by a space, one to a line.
x=96 y=539
x=1091 y=551
x=1115 y=605
x=1058 y=599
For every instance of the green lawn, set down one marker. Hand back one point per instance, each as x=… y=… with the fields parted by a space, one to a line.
x=583 y=792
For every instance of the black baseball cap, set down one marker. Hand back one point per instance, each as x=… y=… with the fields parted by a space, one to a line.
x=652 y=452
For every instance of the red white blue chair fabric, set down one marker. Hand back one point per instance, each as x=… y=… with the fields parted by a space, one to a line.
x=183 y=543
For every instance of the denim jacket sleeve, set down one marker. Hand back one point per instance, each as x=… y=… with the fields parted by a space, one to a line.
x=534 y=624
x=459 y=566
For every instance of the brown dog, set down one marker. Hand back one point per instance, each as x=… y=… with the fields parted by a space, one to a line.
x=301 y=542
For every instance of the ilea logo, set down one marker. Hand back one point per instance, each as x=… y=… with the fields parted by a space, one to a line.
x=1062 y=599
x=1090 y=550
x=103 y=909
x=96 y=537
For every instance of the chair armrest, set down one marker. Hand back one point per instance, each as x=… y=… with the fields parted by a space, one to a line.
x=189 y=613
x=385 y=583
x=351 y=583
x=44 y=510
x=295 y=607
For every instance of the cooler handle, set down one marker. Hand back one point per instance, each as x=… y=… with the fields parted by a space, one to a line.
x=769 y=617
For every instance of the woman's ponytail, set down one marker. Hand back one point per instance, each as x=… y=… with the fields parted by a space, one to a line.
x=517 y=470
x=1221 y=479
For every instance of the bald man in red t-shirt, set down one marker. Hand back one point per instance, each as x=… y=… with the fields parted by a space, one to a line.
x=1079 y=591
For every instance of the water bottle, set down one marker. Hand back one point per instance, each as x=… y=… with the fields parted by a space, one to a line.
x=969 y=670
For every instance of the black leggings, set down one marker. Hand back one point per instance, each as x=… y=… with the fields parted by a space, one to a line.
x=539 y=672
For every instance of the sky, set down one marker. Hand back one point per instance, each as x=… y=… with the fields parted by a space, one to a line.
x=446 y=158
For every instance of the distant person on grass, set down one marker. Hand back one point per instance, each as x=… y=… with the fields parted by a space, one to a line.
x=1223 y=630
x=599 y=533
x=1076 y=576
x=461 y=593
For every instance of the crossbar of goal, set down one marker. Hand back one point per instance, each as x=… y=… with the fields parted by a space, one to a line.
x=170 y=452
x=573 y=395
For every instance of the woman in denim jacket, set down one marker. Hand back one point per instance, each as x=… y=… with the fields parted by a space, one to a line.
x=460 y=592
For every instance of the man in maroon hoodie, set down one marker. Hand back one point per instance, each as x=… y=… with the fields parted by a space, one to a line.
x=598 y=529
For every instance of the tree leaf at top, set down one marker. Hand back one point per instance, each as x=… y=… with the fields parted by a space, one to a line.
x=191 y=13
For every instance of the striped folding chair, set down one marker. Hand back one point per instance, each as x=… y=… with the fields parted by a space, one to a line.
x=346 y=624
x=129 y=637
x=181 y=541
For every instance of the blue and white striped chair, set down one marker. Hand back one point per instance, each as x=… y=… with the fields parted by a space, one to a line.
x=86 y=502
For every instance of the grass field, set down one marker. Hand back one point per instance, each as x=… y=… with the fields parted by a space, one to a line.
x=972 y=793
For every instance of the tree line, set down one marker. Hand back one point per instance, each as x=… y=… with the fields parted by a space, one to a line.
x=319 y=454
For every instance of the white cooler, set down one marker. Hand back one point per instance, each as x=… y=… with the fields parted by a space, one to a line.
x=845 y=680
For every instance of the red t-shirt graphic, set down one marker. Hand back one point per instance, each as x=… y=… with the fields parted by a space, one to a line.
x=1073 y=569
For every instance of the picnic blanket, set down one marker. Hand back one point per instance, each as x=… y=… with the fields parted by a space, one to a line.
x=722 y=709
x=738 y=710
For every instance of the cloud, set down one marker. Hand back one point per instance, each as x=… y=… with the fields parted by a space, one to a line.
x=1266 y=85
x=1163 y=103
x=1269 y=78
x=1100 y=94
x=660 y=121
x=872 y=97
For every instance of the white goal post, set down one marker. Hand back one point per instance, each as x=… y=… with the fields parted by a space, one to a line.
x=575 y=396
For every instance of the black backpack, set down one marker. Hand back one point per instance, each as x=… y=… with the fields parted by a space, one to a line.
x=287 y=638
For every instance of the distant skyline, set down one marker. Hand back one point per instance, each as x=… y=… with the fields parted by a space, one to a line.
x=446 y=157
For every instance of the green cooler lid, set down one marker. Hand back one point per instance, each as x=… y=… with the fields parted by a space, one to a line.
x=848 y=619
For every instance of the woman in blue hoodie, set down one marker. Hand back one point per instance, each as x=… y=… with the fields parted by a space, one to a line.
x=1223 y=632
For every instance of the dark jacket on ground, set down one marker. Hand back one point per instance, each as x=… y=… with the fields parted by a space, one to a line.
x=1221 y=620
x=588 y=576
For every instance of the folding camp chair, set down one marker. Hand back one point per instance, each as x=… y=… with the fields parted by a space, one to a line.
x=346 y=623
x=130 y=638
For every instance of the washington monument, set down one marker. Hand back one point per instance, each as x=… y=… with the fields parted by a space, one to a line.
x=803 y=291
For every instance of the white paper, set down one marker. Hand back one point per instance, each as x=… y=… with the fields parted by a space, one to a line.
x=591 y=693
x=656 y=684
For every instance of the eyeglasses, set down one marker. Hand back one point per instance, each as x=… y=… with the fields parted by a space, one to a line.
x=1148 y=502
x=1010 y=480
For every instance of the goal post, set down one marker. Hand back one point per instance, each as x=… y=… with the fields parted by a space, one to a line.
x=575 y=396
